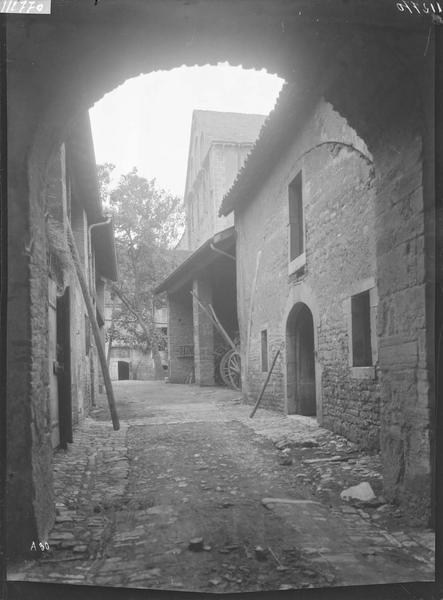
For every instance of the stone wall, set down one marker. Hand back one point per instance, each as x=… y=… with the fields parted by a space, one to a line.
x=141 y=364
x=399 y=141
x=180 y=335
x=399 y=133
x=338 y=197
x=225 y=162
x=216 y=176
x=51 y=62
x=204 y=359
x=405 y=325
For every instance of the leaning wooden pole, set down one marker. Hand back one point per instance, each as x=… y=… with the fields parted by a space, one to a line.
x=221 y=328
x=94 y=325
x=264 y=385
x=247 y=349
x=210 y=313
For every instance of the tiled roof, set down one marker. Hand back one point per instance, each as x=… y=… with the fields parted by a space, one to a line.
x=211 y=126
x=275 y=136
x=228 y=126
x=199 y=259
x=83 y=169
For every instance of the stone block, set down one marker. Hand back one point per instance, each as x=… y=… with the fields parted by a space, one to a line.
x=396 y=353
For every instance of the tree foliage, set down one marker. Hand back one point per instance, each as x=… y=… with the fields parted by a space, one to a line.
x=147 y=224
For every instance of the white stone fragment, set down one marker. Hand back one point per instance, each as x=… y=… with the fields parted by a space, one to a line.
x=362 y=492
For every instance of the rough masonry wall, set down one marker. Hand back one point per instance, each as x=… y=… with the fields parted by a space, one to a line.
x=225 y=163
x=340 y=252
x=180 y=333
x=141 y=365
x=216 y=176
x=204 y=359
x=80 y=365
x=30 y=498
x=404 y=325
x=66 y=61
x=399 y=133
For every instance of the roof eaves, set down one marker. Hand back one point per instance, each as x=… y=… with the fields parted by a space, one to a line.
x=102 y=235
x=191 y=261
x=276 y=136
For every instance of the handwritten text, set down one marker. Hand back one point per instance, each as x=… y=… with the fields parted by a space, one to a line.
x=25 y=7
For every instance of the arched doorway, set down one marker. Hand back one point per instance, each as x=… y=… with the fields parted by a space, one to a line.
x=123 y=370
x=300 y=353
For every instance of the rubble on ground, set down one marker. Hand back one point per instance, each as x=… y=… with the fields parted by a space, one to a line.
x=362 y=492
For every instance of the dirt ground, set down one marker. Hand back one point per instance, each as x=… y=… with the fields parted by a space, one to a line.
x=192 y=494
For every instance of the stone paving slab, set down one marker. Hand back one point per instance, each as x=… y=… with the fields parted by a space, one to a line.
x=189 y=461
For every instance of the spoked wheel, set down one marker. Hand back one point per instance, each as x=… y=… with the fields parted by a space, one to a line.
x=224 y=374
x=230 y=369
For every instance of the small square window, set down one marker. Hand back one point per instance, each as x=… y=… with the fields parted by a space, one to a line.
x=361 y=330
x=264 y=350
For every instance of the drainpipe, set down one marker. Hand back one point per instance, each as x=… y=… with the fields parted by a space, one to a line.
x=90 y=228
x=91 y=274
x=211 y=245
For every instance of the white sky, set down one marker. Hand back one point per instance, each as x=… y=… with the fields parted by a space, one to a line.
x=146 y=122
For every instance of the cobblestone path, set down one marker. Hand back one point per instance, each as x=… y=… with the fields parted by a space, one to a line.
x=189 y=463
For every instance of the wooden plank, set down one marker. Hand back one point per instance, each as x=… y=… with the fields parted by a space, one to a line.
x=221 y=328
x=264 y=385
x=95 y=327
x=214 y=320
x=64 y=375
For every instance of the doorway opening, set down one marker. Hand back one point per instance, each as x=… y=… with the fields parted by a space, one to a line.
x=300 y=347
x=123 y=370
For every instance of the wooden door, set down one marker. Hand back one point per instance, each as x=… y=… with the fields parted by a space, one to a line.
x=64 y=367
x=305 y=361
x=52 y=356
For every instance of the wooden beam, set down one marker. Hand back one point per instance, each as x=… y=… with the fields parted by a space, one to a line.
x=265 y=384
x=214 y=320
x=221 y=328
x=95 y=328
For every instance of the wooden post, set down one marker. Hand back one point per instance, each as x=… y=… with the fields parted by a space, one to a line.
x=94 y=325
x=221 y=328
x=111 y=336
x=264 y=385
x=214 y=320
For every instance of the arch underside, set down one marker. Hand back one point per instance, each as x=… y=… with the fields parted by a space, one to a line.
x=375 y=77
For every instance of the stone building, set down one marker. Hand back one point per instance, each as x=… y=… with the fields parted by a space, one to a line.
x=374 y=63
x=219 y=145
x=129 y=362
x=72 y=196
x=193 y=343
x=68 y=354
x=128 y=359
x=309 y=284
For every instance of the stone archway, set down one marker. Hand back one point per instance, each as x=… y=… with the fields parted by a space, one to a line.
x=300 y=361
x=58 y=66
x=301 y=301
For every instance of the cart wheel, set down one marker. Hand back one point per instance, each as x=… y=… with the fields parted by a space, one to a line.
x=223 y=368
x=233 y=369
